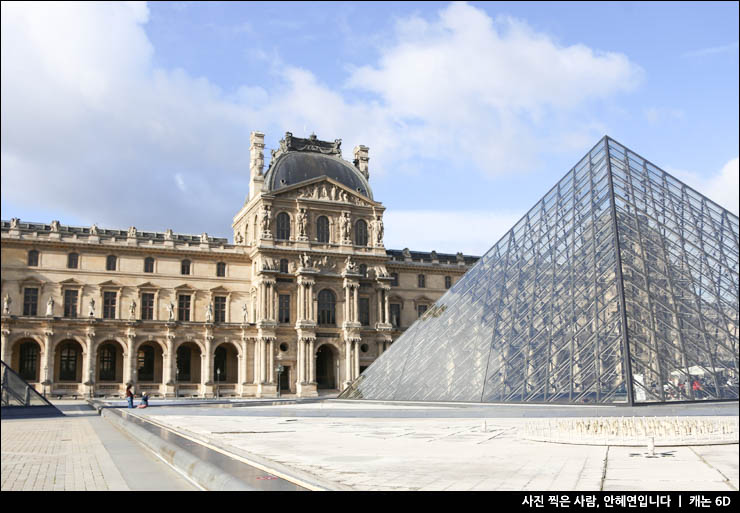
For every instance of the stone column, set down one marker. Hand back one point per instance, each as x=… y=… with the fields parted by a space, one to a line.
x=311 y=361
x=263 y=368
x=300 y=300
x=380 y=306
x=271 y=359
x=256 y=379
x=355 y=303
x=356 y=359
x=347 y=360
x=128 y=369
x=206 y=377
x=89 y=362
x=386 y=306
x=301 y=360
x=5 y=345
x=48 y=356
x=169 y=359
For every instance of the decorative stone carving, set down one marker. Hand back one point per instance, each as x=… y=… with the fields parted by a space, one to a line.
x=204 y=237
x=406 y=253
x=55 y=226
x=381 y=271
x=92 y=306
x=50 y=307
x=209 y=312
x=265 y=220
x=346 y=225
x=94 y=229
x=132 y=310
x=350 y=266
x=378 y=230
x=245 y=310
x=306 y=261
x=168 y=234
x=302 y=223
x=132 y=232
x=14 y=223
x=171 y=311
x=6 y=304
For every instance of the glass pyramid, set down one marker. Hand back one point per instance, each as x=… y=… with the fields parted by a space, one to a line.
x=619 y=286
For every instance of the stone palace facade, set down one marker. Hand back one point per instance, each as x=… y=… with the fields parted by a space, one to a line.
x=305 y=298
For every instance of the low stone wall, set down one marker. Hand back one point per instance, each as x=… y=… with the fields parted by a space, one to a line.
x=633 y=431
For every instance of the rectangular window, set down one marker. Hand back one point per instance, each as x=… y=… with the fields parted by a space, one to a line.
x=30 y=301
x=395 y=314
x=394 y=282
x=448 y=282
x=421 y=309
x=70 y=304
x=284 y=309
x=219 y=304
x=109 y=305
x=422 y=281
x=364 y=312
x=147 y=306
x=183 y=307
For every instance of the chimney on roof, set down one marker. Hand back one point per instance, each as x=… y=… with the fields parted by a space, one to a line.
x=361 y=160
x=256 y=162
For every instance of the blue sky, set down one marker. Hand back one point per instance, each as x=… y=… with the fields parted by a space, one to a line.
x=136 y=114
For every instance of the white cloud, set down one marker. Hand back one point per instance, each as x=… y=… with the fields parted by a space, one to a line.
x=702 y=52
x=100 y=131
x=723 y=187
x=473 y=232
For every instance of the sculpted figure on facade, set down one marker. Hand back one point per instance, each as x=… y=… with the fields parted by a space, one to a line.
x=344 y=197
x=55 y=226
x=132 y=310
x=168 y=234
x=306 y=261
x=333 y=193
x=204 y=237
x=324 y=194
x=94 y=229
x=209 y=312
x=302 y=223
x=346 y=227
x=92 y=306
x=50 y=307
x=245 y=309
x=349 y=265
x=14 y=222
x=132 y=232
x=381 y=271
x=266 y=217
x=6 y=304
x=171 y=311
x=378 y=230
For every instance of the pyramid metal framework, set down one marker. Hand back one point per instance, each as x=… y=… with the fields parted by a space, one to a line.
x=619 y=286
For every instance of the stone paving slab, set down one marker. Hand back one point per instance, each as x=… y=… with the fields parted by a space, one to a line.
x=427 y=453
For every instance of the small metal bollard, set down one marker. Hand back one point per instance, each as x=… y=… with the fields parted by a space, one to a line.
x=651 y=446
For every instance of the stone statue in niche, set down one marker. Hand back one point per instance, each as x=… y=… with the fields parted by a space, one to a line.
x=171 y=311
x=305 y=261
x=244 y=313
x=6 y=304
x=92 y=306
x=209 y=312
x=346 y=227
x=302 y=222
x=50 y=307
x=55 y=226
x=378 y=230
x=266 y=218
x=132 y=310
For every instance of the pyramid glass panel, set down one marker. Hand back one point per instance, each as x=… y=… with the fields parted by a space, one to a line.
x=619 y=286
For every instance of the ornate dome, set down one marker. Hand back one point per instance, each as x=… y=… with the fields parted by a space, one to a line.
x=299 y=160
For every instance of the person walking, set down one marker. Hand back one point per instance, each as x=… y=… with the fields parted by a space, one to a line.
x=129 y=396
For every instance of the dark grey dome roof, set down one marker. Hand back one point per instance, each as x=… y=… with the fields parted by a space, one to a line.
x=300 y=160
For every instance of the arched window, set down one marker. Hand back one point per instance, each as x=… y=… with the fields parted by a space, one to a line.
x=327 y=305
x=322 y=229
x=29 y=361
x=283 y=265
x=73 y=260
x=108 y=362
x=149 y=265
x=185 y=267
x=360 y=233
x=68 y=362
x=283 y=226
x=221 y=269
x=33 y=258
x=110 y=263
x=363 y=270
x=219 y=363
x=145 y=367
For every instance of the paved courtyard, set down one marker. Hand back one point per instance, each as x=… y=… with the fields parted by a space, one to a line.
x=79 y=451
x=406 y=447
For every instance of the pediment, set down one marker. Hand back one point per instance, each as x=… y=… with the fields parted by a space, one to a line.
x=71 y=282
x=110 y=284
x=147 y=285
x=220 y=289
x=185 y=286
x=326 y=189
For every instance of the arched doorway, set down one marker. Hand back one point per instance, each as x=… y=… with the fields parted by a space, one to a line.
x=326 y=368
x=26 y=360
x=110 y=362
x=226 y=360
x=149 y=362
x=187 y=369
x=68 y=362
